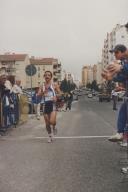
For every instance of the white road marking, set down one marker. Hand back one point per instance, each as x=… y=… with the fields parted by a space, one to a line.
x=29 y=137
x=74 y=137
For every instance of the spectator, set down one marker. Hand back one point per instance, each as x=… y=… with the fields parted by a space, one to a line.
x=119 y=73
x=36 y=99
x=6 y=101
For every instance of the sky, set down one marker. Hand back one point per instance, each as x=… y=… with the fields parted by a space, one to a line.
x=71 y=30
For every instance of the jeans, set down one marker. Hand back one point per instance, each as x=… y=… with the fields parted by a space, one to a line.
x=114 y=102
x=7 y=116
x=122 y=118
x=37 y=109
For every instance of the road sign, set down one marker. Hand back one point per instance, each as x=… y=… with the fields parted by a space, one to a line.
x=30 y=70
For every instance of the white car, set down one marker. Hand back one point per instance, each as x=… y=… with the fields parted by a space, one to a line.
x=120 y=95
x=90 y=95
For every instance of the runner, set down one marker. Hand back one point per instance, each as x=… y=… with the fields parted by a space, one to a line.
x=49 y=92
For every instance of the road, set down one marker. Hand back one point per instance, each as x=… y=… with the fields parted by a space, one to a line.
x=81 y=159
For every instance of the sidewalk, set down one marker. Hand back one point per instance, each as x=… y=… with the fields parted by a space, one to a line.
x=32 y=127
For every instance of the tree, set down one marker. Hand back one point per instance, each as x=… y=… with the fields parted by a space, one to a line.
x=94 y=85
x=88 y=85
x=67 y=86
x=64 y=86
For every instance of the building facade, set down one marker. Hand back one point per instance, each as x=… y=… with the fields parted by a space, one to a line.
x=14 y=65
x=42 y=65
x=91 y=73
x=84 y=75
x=99 y=78
x=119 y=35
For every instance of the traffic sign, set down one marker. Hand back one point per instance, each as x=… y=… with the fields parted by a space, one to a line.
x=30 y=70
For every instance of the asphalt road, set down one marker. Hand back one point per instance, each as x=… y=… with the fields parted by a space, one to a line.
x=81 y=159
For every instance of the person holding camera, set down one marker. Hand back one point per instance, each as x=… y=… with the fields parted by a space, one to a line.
x=118 y=72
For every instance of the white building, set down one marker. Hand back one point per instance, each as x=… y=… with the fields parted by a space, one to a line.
x=14 y=65
x=90 y=74
x=119 y=35
x=42 y=65
x=98 y=74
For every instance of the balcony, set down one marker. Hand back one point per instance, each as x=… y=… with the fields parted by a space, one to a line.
x=11 y=71
x=55 y=66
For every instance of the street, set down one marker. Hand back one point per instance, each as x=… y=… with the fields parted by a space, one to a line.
x=80 y=159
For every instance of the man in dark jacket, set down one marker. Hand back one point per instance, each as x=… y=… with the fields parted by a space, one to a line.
x=118 y=72
x=5 y=113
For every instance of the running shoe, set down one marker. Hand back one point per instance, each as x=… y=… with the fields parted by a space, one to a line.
x=50 y=139
x=55 y=131
x=124 y=170
x=124 y=144
x=117 y=137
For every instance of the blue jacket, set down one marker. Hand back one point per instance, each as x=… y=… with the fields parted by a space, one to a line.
x=123 y=75
x=36 y=99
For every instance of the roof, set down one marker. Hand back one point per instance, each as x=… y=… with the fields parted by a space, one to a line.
x=13 y=57
x=43 y=61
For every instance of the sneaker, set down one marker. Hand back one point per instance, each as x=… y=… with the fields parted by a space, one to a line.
x=49 y=139
x=116 y=138
x=55 y=131
x=124 y=170
x=38 y=118
x=124 y=144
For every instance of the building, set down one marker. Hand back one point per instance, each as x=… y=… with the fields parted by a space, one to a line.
x=87 y=74
x=99 y=78
x=90 y=74
x=95 y=72
x=84 y=75
x=14 y=65
x=42 y=65
x=57 y=70
x=119 y=35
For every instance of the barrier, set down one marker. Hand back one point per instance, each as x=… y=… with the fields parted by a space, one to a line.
x=13 y=110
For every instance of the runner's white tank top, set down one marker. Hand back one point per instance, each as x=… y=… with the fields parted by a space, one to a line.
x=50 y=93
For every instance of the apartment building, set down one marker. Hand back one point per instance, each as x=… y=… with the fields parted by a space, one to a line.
x=42 y=65
x=119 y=35
x=91 y=73
x=99 y=78
x=84 y=75
x=14 y=65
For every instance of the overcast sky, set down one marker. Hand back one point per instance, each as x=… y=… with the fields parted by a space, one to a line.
x=71 y=30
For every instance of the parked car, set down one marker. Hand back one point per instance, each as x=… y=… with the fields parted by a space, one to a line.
x=90 y=95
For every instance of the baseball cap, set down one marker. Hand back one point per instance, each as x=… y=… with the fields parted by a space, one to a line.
x=118 y=47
